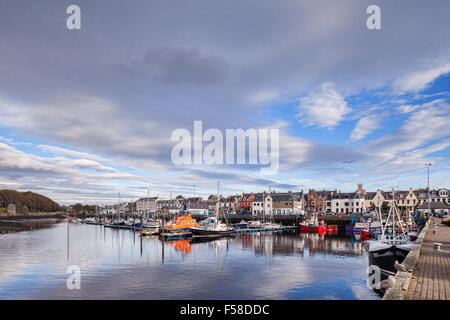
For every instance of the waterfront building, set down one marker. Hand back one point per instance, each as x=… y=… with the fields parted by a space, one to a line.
x=288 y=203
x=262 y=204
x=171 y=206
x=231 y=203
x=436 y=207
x=440 y=195
x=374 y=199
x=245 y=202
x=317 y=201
x=347 y=202
x=146 y=204
x=421 y=195
x=196 y=207
x=406 y=200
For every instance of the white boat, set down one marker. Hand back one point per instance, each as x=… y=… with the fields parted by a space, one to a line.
x=151 y=224
x=212 y=226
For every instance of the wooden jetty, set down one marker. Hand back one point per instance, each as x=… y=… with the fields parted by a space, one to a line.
x=431 y=275
x=427 y=275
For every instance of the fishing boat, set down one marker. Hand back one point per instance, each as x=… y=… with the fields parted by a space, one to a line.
x=313 y=225
x=242 y=225
x=366 y=234
x=393 y=243
x=360 y=226
x=331 y=228
x=133 y=223
x=151 y=224
x=90 y=221
x=259 y=224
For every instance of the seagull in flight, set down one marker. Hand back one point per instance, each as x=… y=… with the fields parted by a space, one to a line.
x=349 y=161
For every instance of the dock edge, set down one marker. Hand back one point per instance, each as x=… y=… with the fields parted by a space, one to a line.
x=403 y=279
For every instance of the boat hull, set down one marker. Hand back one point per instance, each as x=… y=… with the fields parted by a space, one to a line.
x=318 y=229
x=384 y=256
x=366 y=235
x=202 y=232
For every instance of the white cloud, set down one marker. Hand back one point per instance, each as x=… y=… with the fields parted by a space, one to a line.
x=408 y=108
x=418 y=81
x=366 y=125
x=70 y=153
x=324 y=108
x=420 y=135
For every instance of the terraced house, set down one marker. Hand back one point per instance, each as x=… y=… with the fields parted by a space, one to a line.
x=262 y=204
x=317 y=201
x=288 y=203
x=146 y=204
x=172 y=206
x=346 y=202
x=245 y=202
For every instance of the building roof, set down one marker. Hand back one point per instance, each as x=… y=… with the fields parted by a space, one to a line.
x=433 y=205
x=148 y=199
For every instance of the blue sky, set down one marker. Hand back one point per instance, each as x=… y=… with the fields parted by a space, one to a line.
x=86 y=114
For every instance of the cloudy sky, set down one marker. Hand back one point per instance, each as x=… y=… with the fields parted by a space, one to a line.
x=86 y=114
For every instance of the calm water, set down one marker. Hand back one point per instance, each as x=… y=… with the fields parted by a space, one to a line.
x=115 y=264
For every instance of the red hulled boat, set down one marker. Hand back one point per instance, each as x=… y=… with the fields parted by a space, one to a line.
x=313 y=225
x=331 y=229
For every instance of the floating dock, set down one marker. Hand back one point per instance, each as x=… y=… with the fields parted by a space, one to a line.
x=263 y=229
x=121 y=227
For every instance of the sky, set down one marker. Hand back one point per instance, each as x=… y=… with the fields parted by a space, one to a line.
x=88 y=114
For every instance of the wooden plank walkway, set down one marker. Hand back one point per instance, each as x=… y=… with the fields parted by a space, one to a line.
x=431 y=275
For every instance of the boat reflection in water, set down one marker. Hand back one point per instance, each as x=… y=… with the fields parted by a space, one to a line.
x=119 y=264
x=303 y=243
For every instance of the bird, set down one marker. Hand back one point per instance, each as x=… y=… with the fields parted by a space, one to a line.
x=400 y=267
x=349 y=161
x=388 y=283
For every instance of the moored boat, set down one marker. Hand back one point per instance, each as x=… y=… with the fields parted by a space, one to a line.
x=181 y=224
x=313 y=225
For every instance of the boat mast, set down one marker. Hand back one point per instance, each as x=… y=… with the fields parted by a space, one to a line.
x=218 y=202
x=380 y=217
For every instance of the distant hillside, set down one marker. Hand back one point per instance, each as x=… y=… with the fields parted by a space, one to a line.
x=27 y=202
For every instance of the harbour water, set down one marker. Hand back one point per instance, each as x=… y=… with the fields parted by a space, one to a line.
x=118 y=264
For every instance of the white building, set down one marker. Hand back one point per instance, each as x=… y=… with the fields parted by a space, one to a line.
x=262 y=204
x=146 y=204
x=346 y=202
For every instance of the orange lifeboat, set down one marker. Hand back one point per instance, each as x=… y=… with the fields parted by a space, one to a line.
x=182 y=223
